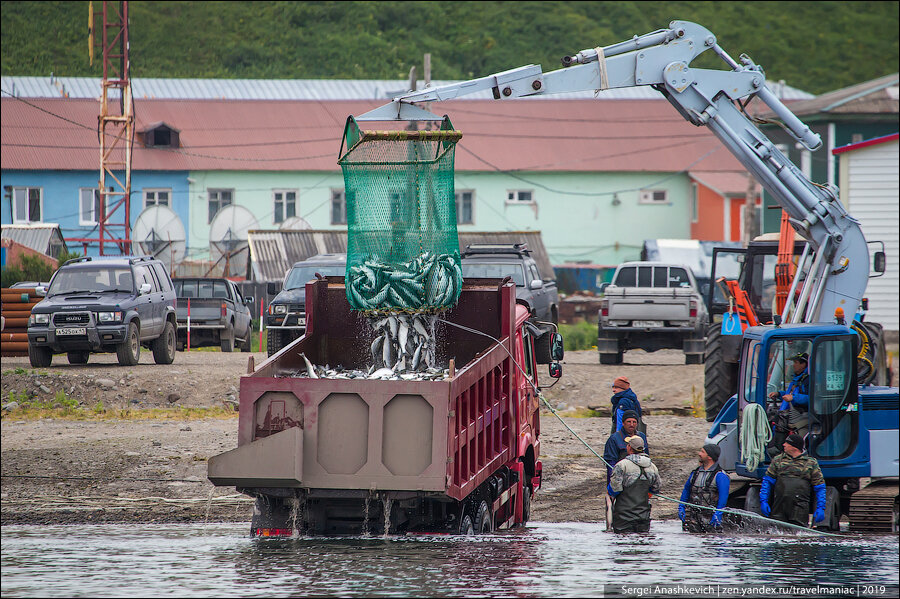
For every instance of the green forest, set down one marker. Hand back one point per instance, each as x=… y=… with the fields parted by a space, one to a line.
x=815 y=46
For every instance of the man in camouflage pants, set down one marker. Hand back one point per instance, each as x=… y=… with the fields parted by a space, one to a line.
x=791 y=474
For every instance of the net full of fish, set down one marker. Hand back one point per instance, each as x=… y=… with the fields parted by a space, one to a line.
x=428 y=283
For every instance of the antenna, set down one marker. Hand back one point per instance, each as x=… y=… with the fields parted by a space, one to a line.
x=228 y=239
x=159 y=232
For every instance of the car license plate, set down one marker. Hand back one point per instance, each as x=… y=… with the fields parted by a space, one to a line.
x=648 y=324
x=301 y=321
x=71 y=331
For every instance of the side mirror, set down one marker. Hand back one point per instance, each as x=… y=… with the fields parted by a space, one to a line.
x=40 y=290
x=535 y=284
x=603 y=287
x=879 y=262
x=145 y=289
x=272 y=288
x=557 y=348
x=248 y=300
x=555 y=370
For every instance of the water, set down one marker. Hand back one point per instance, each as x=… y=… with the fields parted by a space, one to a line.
x=546 y=560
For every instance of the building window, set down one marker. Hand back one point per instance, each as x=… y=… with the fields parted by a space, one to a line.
x=464 y=214
x=88 y=206
x=695 y=202
x=285 y=204
x=218 y=199
x=520 y=196
x=338 y=207
x=653 y=196
x=157 y=197
x=27 y=204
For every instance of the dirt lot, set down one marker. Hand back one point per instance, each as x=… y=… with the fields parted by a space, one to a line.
x=151 y=466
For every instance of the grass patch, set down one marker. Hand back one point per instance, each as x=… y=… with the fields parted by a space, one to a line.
x=53 y=410
x=579 y=336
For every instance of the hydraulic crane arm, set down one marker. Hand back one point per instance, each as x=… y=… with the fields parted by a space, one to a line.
x=839 y=270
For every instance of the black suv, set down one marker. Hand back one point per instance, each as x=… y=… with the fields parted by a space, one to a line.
x=286 y=316
x=112 y=304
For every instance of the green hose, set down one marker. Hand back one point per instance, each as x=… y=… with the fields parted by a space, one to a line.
x=755 y=435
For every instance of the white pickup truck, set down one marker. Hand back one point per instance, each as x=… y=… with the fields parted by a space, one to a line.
x=651 y=306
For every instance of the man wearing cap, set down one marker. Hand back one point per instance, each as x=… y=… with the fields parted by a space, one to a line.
x=795 y=400
x=631 y=483
x=785 y=493
x=707 y=485
x=615 y=448
x=622 y=400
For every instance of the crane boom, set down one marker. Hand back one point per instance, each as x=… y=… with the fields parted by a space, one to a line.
x=714 y=99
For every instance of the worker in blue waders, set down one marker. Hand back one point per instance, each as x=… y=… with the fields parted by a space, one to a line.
x=632 y=481
x=707 y=485
x=788 y=485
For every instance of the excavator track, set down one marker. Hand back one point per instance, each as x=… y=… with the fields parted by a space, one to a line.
x=875 y=508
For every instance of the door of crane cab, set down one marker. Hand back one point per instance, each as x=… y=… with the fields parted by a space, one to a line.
x=830 y=421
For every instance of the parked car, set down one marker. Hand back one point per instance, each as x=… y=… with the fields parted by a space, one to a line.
x=96 y=305
x=218 y=314
x=651 y=306
x=286 y=315
x=496 y=261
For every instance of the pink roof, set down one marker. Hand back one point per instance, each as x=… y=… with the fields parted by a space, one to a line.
x=563 y=135
x=733 y=183
x=869 y=142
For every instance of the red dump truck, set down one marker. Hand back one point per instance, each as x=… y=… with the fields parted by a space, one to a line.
x=338 y=455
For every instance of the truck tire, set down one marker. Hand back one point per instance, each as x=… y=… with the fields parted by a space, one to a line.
x=129 y=351
x=612 y=358
x=693 y=358
x=164 y=345
x=78 y=357
x=526 y=504
x=247 y=344
x=720 y=378
x=39 y=356
x=226 y=340
x=274 y=341
x=484 y=520
x=466 y=525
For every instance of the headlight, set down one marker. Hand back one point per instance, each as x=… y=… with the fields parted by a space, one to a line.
x=278 y=309
x=109 y=316
x=39 y=319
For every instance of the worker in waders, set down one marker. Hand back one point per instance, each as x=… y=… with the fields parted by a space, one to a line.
x=708 y=485
x=786 y=488
x=631 y=483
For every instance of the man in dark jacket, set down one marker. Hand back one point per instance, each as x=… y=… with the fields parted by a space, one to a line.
x=707 y=485
x=623 y=399
x=631 y=483
x=785 y=493
x=615 y=448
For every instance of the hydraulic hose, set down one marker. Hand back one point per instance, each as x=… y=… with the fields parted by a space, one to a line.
x=755 y=435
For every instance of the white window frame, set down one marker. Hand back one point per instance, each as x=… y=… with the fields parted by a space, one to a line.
x=458 y=200
x=338 y=194
x=209 y=199
x=15 y=211
x=695 y=203
x=649 y=197
x=155 y=191
x=95 y=208
x=283 y=202
x=514 y=196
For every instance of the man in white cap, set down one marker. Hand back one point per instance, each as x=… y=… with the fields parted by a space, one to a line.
x=632 y=481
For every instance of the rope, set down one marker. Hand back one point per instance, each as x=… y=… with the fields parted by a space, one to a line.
x=540 y=395
x=755 y=435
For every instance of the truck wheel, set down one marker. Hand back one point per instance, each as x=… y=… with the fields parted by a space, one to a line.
x=129 y=351
x=484 y=520
x=720 y=378
x=274 y=342
x=693 y=358
x=78 y=357
x=526 y=504
x=611 y=358
x=247 y=344
x=164 y=346
x=226 y=341
x=39 y=356
x=466 y=526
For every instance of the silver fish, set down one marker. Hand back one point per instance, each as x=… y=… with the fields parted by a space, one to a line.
x=310 y=371
x=381 y=372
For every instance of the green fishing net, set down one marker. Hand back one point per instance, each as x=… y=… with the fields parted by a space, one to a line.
x=402 y=244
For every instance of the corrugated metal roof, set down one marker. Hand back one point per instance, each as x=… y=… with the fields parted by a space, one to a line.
x=272 y=253
x=878 y=96
x=292 y=89
x=234 y=135
x=37 y=236
x=723 y=182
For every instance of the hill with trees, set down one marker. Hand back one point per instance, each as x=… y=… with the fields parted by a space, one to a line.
x=815 y=46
